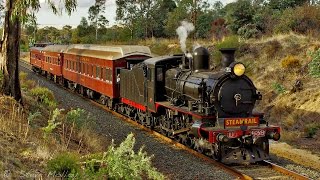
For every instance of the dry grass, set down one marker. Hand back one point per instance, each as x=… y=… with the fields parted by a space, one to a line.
x=299 y=156
x=283 y=60
x=23 y=144
x=25 y=56
x=12 y=118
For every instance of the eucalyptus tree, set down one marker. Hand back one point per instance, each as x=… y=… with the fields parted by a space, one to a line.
x=96 y=17
x=16 y=13
x=66 y=34
x=137 y=15
x=31 y=26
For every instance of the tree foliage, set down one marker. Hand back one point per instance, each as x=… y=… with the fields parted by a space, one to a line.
x=17 y=12
x=161 y=18
x=96 y=16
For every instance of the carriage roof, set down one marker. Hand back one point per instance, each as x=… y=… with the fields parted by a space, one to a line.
x=56 y=48
x=36 y=48
x=108 y=52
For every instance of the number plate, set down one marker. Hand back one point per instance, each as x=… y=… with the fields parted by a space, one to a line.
x=258 y=133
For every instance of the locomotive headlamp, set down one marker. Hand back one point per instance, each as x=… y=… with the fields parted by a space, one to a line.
x=239 y=69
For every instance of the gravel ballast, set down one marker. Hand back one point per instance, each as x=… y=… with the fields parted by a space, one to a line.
x=174 y=163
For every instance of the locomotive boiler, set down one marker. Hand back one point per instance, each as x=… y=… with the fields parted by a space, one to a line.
x=225 y=93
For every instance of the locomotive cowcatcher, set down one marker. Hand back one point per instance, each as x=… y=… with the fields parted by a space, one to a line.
x=210 y=111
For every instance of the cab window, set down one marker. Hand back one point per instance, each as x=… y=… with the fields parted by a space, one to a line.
x=159 y=74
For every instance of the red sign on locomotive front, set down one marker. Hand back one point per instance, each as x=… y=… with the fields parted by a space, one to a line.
x=251 y=121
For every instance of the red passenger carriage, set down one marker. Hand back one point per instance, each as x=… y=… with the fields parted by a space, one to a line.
x=92 y=69
x=36 y=58
x=53 y=61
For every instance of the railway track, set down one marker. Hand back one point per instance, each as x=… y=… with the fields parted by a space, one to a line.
x=264 y=170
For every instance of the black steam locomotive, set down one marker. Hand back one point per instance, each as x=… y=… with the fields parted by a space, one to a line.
x=210 y=111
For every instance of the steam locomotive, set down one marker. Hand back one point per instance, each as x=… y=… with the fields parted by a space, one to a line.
x=178 y=95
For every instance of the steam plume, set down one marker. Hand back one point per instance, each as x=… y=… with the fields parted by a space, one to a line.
x=183 y=31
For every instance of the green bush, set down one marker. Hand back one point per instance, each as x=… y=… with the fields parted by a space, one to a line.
x=314 y=66
x=122 y=163
x=26 y=84
x=78 y=116
x=52 y=123
x=278 y=88
x=24 y=47
x=44 y=95
x=248 y=31
x=64 y=165
x=311 y=129
x=303 y=19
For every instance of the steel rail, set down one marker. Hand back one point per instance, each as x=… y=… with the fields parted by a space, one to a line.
x=284 y=170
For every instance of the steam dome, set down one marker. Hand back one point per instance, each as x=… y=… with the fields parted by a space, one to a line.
x=200 y=59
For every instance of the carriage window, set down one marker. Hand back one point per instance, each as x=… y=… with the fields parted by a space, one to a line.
x=80 y=67
x=92 y=70
x=58 y=60
x=101 y=73
x=159 y=74
x=98 y=72
x=73 y=66
x=108 y=74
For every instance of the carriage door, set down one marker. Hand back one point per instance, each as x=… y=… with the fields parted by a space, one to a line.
x=78 y=69
x=150 y=88
x=159 y=83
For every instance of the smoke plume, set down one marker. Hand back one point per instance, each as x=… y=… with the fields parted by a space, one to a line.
x=183 y=31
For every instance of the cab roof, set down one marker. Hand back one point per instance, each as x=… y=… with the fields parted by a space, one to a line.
x=162 y=60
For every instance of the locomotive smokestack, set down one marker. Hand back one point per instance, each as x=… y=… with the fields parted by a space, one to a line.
x=227 y=56
x=186 y=60
x=200 y=59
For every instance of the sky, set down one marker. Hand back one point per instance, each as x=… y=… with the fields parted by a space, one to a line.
x=45 y=17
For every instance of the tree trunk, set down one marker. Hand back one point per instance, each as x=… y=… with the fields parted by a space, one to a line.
x=11 y=53
x=96 y=34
